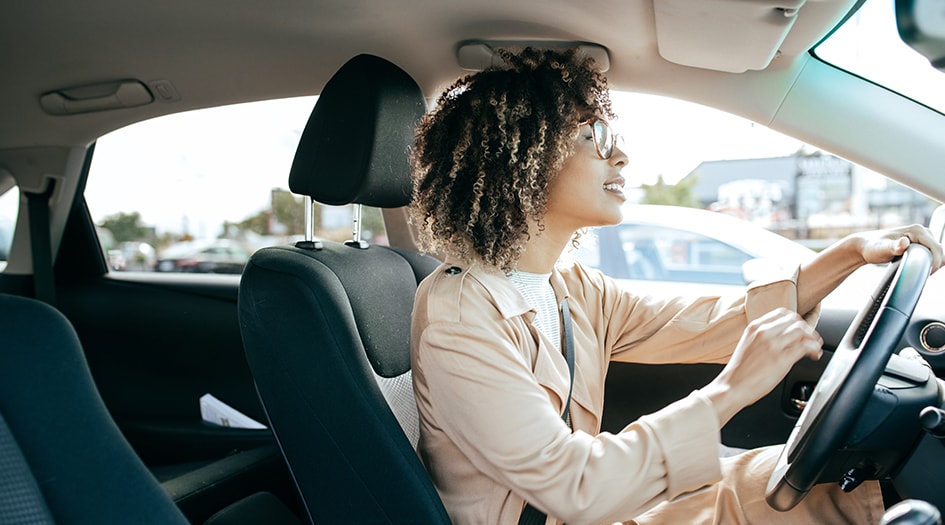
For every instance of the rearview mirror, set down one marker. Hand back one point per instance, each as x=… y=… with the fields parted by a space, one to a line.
x=921 y=24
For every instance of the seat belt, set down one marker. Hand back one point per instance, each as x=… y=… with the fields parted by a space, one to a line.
x=44 y=287
x=531 y=515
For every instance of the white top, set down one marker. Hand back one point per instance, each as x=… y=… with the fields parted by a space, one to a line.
x=538 y=293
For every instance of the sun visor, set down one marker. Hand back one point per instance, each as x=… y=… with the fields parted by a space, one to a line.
x=724 y=35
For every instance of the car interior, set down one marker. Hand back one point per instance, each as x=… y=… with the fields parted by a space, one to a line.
x=101 y=371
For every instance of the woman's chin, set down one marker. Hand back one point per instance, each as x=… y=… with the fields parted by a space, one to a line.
x=606 y=221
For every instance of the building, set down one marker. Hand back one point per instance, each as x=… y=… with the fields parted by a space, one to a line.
x=807 y=196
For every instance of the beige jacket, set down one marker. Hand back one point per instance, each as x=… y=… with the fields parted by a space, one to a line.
x=490 y=390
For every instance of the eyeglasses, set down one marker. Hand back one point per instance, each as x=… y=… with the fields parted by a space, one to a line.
x=604 y=137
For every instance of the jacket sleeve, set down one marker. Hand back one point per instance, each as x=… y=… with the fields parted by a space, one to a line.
x=651 y=330
x=480 y=390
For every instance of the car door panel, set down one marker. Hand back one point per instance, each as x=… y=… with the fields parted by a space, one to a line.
x=633 y=390
x=154 y=349
x=154 y=345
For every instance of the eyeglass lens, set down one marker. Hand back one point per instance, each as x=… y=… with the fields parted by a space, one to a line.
x=604 y=137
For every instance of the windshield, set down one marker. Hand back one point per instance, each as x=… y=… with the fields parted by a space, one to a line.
x=868 y=45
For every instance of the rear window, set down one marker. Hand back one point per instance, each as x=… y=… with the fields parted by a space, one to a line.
x=200 y=191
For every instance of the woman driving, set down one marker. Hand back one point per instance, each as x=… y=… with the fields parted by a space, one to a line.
x=511 y=345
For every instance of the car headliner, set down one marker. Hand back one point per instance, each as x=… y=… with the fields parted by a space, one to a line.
x=218 y=52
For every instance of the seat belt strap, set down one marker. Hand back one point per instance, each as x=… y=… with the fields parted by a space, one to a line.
x=530 y=515
x=44 y=287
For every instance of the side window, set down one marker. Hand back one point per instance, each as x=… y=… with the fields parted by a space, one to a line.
x=9 y=206
x=656 y=253
x=681 y=256
x=792 y=198
x=200 y=191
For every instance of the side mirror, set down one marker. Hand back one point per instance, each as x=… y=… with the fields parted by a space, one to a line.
x=760 y=268
x=937 y=223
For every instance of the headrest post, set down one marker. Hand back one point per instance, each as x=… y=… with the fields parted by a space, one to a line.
x=309 y=243
x=356 y=240
x=309 y=218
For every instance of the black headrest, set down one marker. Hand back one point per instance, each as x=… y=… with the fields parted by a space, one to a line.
x=354 y=147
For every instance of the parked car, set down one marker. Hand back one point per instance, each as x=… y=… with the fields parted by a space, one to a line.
x=80 y=75
x=676 y=251
x=671 y=244
x=216 y=256
x=138 y=256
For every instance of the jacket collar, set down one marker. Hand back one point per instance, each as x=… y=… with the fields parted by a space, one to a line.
x=505 y=295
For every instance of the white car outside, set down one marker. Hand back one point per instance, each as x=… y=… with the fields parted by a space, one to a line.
x=676 y=251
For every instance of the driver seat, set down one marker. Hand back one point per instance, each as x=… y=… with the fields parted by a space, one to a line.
x=326 y=325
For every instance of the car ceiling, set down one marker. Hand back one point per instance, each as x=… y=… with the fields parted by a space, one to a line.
x=747 y=57
x=217 y=52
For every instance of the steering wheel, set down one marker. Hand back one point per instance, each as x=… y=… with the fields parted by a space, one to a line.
x=848 y=380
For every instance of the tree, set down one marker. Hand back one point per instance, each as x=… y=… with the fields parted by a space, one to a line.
x=258 y=223
x=126 y=227
x=285 y=216
x=288 y=213
x=679 y=194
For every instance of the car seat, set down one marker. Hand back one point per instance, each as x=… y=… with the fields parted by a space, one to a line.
x=62 y=458
x=326 y=325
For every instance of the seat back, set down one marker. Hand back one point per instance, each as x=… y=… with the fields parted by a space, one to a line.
x=62 y=458
x=326 y=328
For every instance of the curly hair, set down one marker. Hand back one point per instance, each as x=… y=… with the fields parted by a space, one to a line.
x=483 y=158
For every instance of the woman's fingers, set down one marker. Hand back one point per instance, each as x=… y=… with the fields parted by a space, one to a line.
x=784 y=331
x=882 y=246
x=768 y=349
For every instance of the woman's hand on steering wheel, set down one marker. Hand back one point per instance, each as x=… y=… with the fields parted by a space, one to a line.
x=882 y=246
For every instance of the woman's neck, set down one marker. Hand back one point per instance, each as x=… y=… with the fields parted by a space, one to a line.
x=542 y=251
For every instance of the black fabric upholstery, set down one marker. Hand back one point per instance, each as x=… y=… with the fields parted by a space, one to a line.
x=354 y=146
x=347 y=452
x=327 y=332
x=21 y=502
x=370 y=285
x=422 y=265
x=84 y=468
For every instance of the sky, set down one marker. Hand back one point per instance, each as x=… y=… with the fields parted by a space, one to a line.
x=192 y=171
x=224 y=164
x=670 y=138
